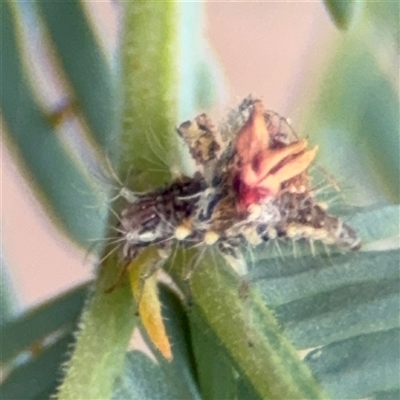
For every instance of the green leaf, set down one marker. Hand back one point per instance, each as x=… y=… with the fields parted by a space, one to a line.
x=35 y=345
x=39 y=377
x=8 y=302
x=284 y=281
x=85 y=65
x=376 y=223
x=346 y=306
x=145 y=379
x=32 y=327
x=344 y=13
x=64 y=187
x=158 y=378
x=360 y=366
x=349 y=310
x=393 y=394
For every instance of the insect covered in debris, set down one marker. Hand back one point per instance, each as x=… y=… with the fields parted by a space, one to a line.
x=251 y=186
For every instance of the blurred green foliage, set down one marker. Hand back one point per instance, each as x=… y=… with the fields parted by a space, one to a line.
x=354 y=112
x=344 y=13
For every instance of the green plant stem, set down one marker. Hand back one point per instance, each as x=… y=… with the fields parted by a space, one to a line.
x=148 y=93
x=251 y=336
x=105 y=328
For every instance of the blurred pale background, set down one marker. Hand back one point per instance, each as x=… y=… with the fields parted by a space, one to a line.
x=271 y=49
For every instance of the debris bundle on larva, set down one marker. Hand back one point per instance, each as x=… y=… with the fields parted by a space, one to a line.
x=252 y=185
